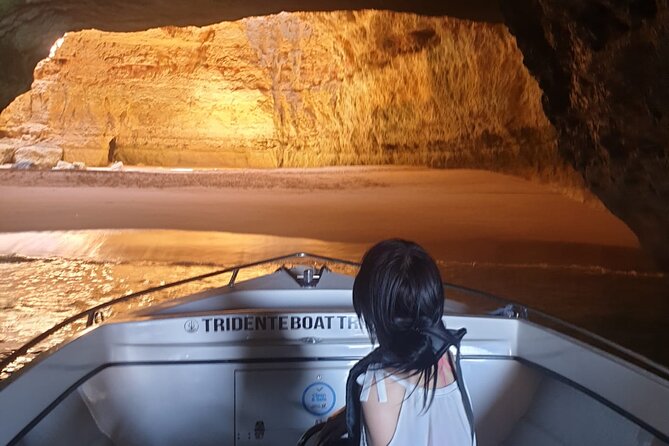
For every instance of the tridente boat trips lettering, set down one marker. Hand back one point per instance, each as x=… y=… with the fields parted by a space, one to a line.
x=279 y=323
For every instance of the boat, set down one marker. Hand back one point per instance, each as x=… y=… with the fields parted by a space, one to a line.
x=263 y=355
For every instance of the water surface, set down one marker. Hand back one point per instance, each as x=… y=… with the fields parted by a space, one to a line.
x=48 y=276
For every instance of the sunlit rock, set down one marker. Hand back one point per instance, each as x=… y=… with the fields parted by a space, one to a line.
x=42 y=156
x=117 y=166
x=63 y=165
x=7 y=149
x=293 y=89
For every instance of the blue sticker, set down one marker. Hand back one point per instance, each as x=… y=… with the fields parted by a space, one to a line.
x=318 y=398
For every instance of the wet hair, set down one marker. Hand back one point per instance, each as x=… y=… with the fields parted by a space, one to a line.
x=399 y=296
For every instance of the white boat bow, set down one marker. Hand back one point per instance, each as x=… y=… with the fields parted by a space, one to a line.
x=257 y=362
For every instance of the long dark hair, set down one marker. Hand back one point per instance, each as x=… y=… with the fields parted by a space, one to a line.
x=399 y=296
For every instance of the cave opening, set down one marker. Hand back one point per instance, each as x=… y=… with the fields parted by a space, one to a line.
x=112 y=155
x=600 y=68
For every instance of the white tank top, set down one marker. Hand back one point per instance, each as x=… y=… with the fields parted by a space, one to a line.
x=444 y=423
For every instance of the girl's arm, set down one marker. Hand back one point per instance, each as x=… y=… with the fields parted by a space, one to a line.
x=380 y=418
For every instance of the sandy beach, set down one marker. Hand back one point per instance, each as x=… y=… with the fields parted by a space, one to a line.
x=461 y=215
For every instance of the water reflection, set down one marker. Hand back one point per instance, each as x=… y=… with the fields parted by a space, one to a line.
x=46 y=277
x=165 y=246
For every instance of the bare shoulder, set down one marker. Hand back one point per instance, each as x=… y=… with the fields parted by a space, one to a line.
x=380 y=418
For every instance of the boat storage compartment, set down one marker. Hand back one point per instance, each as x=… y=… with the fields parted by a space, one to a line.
x=273 y=406
x=216 y=403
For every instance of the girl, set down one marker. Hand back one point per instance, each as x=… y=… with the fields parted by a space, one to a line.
x=409 y=390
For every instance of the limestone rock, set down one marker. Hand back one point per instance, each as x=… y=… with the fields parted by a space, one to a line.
x=604 y=68
x=293 y=89
x=7 y=149
x=28 y=28
x=43 y=156
x=6 y=155
x=117 y=166
x=63 y=165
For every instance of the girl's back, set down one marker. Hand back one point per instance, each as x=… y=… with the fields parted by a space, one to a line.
x=394 y=411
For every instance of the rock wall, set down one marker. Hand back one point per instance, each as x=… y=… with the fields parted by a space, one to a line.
x=293 y=89
x=604 y=68
x=28 y=28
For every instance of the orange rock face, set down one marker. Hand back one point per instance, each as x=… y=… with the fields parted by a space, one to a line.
x=293 y=89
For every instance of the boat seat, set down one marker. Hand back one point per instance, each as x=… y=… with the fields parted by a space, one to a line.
x=560 y=415
x=70 y=423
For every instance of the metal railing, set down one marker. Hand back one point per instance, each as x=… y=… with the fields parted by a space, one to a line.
x=93 y=314
x=516 y=310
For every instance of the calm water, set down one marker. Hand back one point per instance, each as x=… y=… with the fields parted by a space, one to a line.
x=46 y=277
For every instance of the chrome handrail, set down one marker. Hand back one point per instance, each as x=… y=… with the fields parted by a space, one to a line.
x=523 y=312
x=607 y=345
x=90 y=313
